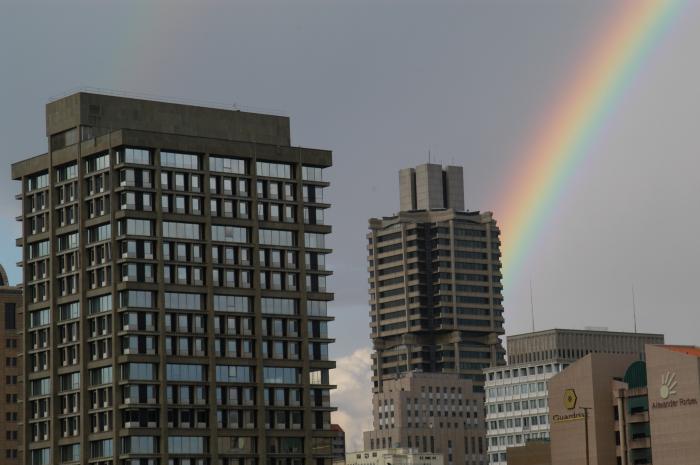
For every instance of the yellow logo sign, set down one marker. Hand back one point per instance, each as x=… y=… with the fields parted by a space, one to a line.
x=570 y=399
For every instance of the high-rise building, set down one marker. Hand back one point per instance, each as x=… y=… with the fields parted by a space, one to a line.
x=517 y=394
x=10 y=370
x=175 y=288
x=435 y=282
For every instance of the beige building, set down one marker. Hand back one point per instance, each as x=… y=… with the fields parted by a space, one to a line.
x=534 y=452
x=628 y=412
x=429 y=412
x=673 y=374
x=10 y=370
x=393 y=456
x=516 y=394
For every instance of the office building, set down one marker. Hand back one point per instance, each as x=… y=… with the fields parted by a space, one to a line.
x=175 y=288
x=10 y=370
x=534 y=452
x=517 y=394
x=338 y=443
x=435 y=282
x=395 y=456
x=616 y=408
x=429 y=412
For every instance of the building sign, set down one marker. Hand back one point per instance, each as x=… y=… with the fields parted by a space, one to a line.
x=570 y=399
x=668 y=390
x=569 y=417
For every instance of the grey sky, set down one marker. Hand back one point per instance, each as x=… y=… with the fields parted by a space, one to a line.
x=380 y=83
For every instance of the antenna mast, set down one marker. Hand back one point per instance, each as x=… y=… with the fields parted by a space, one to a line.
x=634 y=309
x=532 y=308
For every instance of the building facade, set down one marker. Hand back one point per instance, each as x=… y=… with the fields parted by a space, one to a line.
x=338 y=443
x=632 y=412
x=435 y=282
x=396 y=456
x=10 y=370
x=430 y=413
x=175 y=288
x=517 y=394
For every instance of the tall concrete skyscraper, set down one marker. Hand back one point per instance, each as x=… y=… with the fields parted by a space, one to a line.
x=175 y=288
x=435 y=282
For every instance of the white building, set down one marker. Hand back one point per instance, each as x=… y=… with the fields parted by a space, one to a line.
x=516 y=394
x=393 y=457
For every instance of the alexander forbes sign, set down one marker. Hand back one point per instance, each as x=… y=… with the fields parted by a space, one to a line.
x=669 y=395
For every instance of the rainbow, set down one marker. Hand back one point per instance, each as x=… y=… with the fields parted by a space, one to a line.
x=579 y=113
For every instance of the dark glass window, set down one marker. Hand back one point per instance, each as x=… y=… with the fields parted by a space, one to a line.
x=10 y=316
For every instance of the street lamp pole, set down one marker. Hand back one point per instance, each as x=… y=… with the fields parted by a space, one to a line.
x=585 y=420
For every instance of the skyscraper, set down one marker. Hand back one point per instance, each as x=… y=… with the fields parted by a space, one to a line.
x=435 y=282
x=176 y=303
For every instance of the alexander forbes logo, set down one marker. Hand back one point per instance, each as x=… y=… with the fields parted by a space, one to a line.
x=667 y=392
x=668 y=385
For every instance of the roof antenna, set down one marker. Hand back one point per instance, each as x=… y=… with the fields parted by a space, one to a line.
x=634 y=309
x=428 y=156
x=532 y=308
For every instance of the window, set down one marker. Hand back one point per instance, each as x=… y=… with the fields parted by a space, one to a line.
x=39 y=318
x=185 y=372
x=38 y=181
x=229 y=234
x=40 y=456
x=234 y=374
x=142 y=299
x=316 y=308
x=10 y=315
x=139 y=371
x=232 y=303
x=186 y=445
x=136 y=156
x=311 y=173
x=66 y=172
x=278 y=306
x=97 y=163
x=140 y=445
x=136 y=227
x=182 y=230
x=273 y=170
x=276 y=237
x=100 y=304
x=183 y=301
x=315 y=240
x=227 y=165
x=278 y=375
x=179 y=160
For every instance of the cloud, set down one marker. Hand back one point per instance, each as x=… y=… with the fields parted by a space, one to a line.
x=353 y=376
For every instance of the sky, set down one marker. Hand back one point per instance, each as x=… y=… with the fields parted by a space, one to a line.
x=381 y=83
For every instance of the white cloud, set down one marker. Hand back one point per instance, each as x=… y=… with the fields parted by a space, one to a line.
x=353 y=376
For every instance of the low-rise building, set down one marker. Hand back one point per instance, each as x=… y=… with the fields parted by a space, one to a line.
x=430 y=413
x=393 y=456
x=613 y=408
x=338 y=443
x=516 y=394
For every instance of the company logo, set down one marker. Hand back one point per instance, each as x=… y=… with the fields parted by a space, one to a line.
x=570 y=399
x=668 y=385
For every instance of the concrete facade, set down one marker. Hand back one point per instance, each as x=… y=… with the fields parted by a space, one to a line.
x=581 y=399
x=431 y=187
x=516 y=394
x=673 y=376
x=175 y=288
x=395 y=456
x=429 y=412
x=535 y=452
x=435 y=315
x=11 y=385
